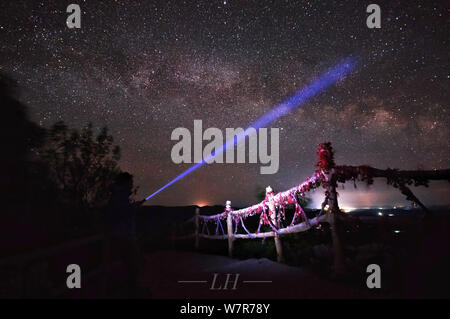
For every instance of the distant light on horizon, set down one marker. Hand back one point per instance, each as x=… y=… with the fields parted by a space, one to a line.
x=201 y=204
x=376 y=197
x=347 y=209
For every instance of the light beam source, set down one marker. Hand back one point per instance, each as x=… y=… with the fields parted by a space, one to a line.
x=328 y=78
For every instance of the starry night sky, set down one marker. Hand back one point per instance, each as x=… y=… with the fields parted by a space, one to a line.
x=144 y=68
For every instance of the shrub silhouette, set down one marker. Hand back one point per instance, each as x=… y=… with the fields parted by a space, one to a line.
x=18 y=137
x=82 y=164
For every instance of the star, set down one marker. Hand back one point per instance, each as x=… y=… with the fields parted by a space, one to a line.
x=146 y=69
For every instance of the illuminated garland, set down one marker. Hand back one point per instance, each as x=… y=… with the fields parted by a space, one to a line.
x=272 y=208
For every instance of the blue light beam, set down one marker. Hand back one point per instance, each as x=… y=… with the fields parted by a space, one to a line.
x=328 y=78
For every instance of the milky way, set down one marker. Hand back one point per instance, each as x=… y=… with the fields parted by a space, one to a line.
x=144 y=69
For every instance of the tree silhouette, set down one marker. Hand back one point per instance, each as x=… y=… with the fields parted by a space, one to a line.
x=18 y=136
x=82 y=164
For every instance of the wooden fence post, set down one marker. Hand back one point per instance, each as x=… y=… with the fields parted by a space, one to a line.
x=279 y=248
x=230 y=235
x=197 y=226
x=338 y=263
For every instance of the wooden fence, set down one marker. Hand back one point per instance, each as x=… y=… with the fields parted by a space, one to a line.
x=270 y=211
x=231 y=237
x=326 y=175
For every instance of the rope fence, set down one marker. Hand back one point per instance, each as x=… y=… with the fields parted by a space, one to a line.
x=271 y=210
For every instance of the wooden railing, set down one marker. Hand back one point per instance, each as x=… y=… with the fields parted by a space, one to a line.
x=270 y=213
x=326 y=175
x=236 y=218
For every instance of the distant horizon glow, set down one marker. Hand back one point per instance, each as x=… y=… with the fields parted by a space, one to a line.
x=381 y=196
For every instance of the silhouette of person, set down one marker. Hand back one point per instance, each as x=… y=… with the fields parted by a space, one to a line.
x=121 y=213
